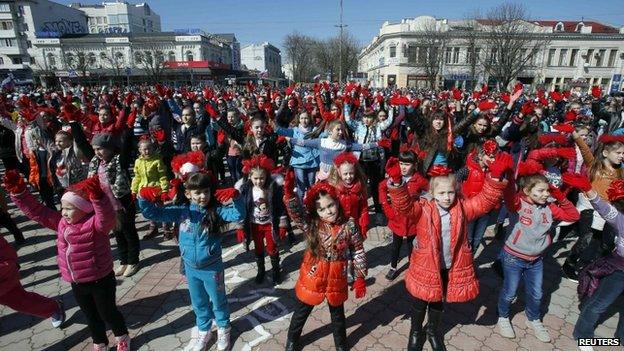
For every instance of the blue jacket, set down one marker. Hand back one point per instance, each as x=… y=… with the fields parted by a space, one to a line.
x=301 y=157
x=199 y=248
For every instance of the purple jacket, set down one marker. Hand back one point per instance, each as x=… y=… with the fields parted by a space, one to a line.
x=84 y=253
x=589 y=279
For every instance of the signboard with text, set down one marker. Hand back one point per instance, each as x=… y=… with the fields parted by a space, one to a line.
x=195 y=64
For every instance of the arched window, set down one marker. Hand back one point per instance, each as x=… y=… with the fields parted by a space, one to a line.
x=70 y=59
x=103 y=55
x=559 y=27
x=171 y=56
x=119 y=57
x=138 y=57
x=579 y=26
x=51 y=59
x=91 y=59
x=189 y=56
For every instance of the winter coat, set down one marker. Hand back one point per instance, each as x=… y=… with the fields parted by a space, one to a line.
x=200 y=246
x=590 y=276
x=301 y=157
x=398 y=224
x=149 y=172
x=354 y=204
x=475 y=179
x=274 y=195
x=424 y=280
x=84 y=252
x=117 y=176
x=9 y=275
x=325 y=277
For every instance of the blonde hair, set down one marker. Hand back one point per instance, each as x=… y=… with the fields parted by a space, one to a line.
x=435 y=181
x=335 y=180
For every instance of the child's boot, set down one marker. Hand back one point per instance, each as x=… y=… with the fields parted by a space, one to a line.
x=261 y=269
x=275 y=267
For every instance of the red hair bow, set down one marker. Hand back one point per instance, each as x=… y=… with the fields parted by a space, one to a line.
x=490 y=147
x=615 y=191
x=261 y=161
x=439 y=171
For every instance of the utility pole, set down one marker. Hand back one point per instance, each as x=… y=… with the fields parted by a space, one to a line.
x=341 y=26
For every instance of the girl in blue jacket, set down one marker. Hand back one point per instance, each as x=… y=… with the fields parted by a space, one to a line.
x=200 y=247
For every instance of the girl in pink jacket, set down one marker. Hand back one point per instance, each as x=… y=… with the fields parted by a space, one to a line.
x=84 y=253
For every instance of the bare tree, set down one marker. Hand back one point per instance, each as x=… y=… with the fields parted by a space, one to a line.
x=433 y=44
x=472 y=41
x=152 y=62
x=80 y=61
x=324 y=57
x=114 y=61
x=512 y=42
x=350 y=50
x=299 y=52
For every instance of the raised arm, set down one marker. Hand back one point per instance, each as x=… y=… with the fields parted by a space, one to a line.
x=356 y=246
x=163 y=214
x=104 y=222
x=34 y=210
x=486 y=200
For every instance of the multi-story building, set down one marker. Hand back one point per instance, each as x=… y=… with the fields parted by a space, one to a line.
x=264 y=58
x=22 y=21
x=587 y=52
x=120 y=17
x=167 y=56
x=230 y=39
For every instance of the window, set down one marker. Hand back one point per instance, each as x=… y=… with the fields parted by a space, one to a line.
x=494 y=55
x=551 y=57
x=600 y=59
x=579 y=26
x=16 y=60
x=189 y=56
x=91 y=59
x=562 y=56
x=612 y=55
x=99 y=20
x=5 y=8
x=590 y=53
x=393 y=51
x=448 y=55
x=6 y=42
x=171 y=56
x=559 y=27
x=20 y=10
x=1 y=60
x=69 y=57
x=138 y=57
x=6 y=25
x=28 y=44
x=51 y=59
x=103 y=55
x=32 y=60
x=456 y=55
x=422 y=54
x=573 y=55
x=25 y=26
x=412 y=53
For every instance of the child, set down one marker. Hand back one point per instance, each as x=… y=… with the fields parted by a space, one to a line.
x=531 y=219
x=602 y=282
x=69 y=164
x=350 y=183
x=441 y=266
x=84 y=253
x=472 y=177
x=259 y=142
x=200 y=246
x=149 y=170
x=231 y=134
x=402 y=227
x=304 y=161
x=114 y=179
x=323 y=274
x=262 y=193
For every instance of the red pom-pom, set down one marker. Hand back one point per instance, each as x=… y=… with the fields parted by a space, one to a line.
x=570 y=116
x=564 y=128
x=529 y=167
x=490 y=147
x=615 y=191
x=609 y=139
x=547 y=138
x=556 y=96
x=345 y=157
x=439 y=171
x=260 y=161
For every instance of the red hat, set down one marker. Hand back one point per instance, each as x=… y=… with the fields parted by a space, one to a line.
x=259 y=161
x=615 y=191
x=345 y=157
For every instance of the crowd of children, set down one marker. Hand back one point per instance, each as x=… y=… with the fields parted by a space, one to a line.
x=437 y=167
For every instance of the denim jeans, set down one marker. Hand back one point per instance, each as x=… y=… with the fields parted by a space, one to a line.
x=476 y=230
x=235 y=165
x=531 y=272
x=305 y=178
x=609 y=288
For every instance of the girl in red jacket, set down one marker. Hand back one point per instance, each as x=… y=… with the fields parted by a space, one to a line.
x=331 y=237
x=350 y=183
x=441 y=266
x=402 y=227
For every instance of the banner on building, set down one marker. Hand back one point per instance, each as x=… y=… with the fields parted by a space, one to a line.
x=195 y=64
x=616 y=82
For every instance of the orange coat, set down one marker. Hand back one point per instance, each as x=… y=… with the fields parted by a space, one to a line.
x=423 y=279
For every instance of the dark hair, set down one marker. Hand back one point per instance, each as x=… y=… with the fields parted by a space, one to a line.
x=65 y=134
x=408 y=157
x=199 y=136
x=312 y=234
x=198 y=181
x=530 y=181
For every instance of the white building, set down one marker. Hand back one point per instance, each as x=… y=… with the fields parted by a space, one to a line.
x=115 y=56
x=588 y=51
x=262 y=57
x=230 y=40
x=120 y=17
x=22 y=21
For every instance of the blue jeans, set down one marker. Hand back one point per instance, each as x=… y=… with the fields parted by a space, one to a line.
x=609 y=288
x=235 y=165
x=476 y=230
x=531 y=272
x=305 y=179
x=207 y=290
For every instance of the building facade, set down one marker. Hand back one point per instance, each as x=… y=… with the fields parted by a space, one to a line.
x=120 y=17
x=264 y=58
x=21 y=22
x=230 y=40
x=583 y=53
x=137 y=57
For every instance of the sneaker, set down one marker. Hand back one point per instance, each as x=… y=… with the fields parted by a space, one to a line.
x=100 y=347
x=569 y=272
x=541 y=333
x=505 y=328
x=199 y=340
x=58 y=317
x=130 y=270
x=123 y=343
x=121 y=270
x=392 y=274
x=586 y=348
x=223 y=338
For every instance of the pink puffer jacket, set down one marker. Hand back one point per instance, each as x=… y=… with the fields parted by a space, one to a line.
x=84 y=252
x=9 y=276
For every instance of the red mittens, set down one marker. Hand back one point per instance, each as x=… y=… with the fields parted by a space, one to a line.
x=150 y=193
x=577 y=181
x=13 y=182
x=92 y=185
x=159 y=135
x=596 y=92
x=225 y=195
x=557 y=193
x=359 y=285
x=289 y=184
x=385 y=143
x=394 y=170
x=567 y=152
x=486 y=105
x=500 y=165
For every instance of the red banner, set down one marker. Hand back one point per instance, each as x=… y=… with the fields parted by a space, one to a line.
x=195 y=64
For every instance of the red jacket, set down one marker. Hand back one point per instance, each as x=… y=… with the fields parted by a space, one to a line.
x=423 y=278
x=476 y=177
x=354 y=204
x=402 y=225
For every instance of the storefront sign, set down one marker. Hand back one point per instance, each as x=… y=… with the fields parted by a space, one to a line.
x=117 y=40
x=195 y=64
x=39 y=41
x=188 y=38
